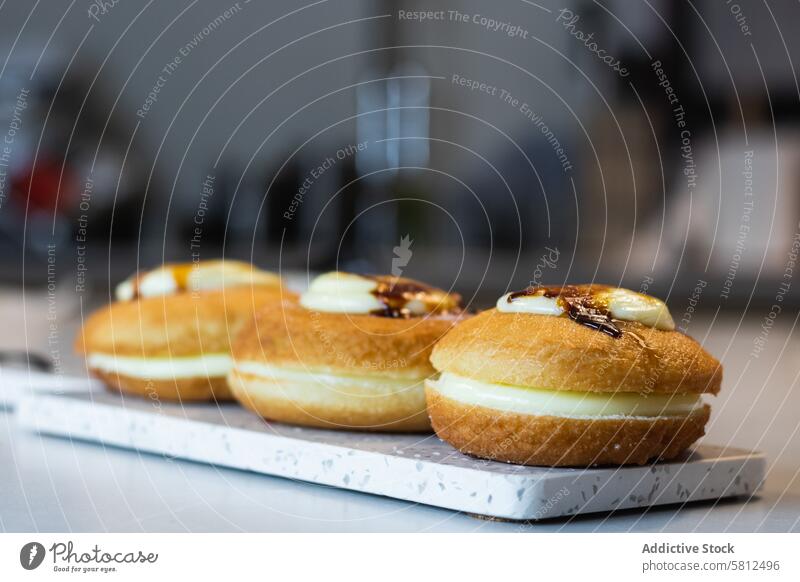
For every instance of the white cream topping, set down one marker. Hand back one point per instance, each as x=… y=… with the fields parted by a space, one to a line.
x=631 y=306
x=200 y=276
x=530 y=304
x=622 y=304
x=158 y=282
x=162 y=368
x=566 y=404
x=338 y=292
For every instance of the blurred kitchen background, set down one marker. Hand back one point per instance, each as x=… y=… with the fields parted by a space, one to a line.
x=650 y=144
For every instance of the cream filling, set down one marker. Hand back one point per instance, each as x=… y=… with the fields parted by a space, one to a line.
x=567 y=404
x=339 y=292
x=622 y=304
x=161 y=368
x=324 y=385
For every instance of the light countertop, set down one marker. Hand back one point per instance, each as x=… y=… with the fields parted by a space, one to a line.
x=50 y=484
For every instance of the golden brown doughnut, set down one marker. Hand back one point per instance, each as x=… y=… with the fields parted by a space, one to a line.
x=561 y=390
x=338 y=370
x=176 y=346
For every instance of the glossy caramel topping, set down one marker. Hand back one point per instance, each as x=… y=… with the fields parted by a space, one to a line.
x=404 y=298
x=181 y=275
x=585 y=304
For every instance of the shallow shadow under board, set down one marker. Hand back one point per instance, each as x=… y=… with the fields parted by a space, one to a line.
x=416 y=468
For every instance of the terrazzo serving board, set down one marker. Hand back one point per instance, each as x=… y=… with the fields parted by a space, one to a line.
x=417 y=468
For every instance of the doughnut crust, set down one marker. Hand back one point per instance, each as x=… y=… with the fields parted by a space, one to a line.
x=364 y=347
x=200 y=389
x=180 y=325
x=561 y=442
x=346 y=343
x=557 y=353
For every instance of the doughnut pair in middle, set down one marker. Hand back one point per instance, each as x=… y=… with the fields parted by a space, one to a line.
x=353 y=354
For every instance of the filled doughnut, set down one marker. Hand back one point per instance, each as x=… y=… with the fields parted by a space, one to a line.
x=353 y=353
x=578 y=375
x=168 y=334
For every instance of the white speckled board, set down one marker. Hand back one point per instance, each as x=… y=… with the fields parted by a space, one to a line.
x=417 y=468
